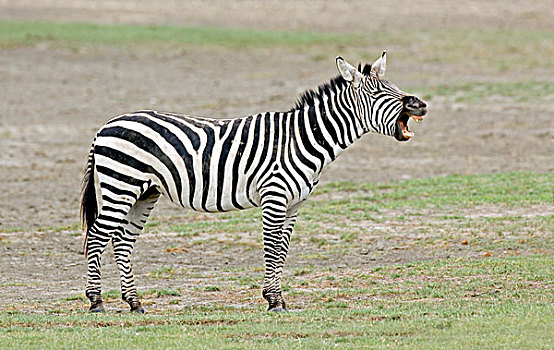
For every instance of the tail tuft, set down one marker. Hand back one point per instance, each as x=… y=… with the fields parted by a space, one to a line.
x=89 y=206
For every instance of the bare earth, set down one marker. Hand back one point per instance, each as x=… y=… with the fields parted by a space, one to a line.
x=53 y=100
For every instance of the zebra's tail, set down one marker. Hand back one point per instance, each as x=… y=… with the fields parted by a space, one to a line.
x=89 y=206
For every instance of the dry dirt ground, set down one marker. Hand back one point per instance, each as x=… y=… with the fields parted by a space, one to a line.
x=54 y=99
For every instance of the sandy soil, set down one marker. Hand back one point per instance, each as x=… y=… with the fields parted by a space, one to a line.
x=53 y=100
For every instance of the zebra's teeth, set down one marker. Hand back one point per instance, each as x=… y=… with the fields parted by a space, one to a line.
x=417 y=119
x=407 y=134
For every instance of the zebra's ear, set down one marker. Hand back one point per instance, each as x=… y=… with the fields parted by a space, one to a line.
x=349 y=72
x=378 y=67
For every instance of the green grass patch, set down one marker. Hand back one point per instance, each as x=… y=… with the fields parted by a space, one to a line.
x=465 y=191
x=454 y=304
x=16 y=33
x=166 y=272
x=161 y=293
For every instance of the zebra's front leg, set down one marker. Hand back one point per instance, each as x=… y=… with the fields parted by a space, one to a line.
x=274 y=210
x=286 y=233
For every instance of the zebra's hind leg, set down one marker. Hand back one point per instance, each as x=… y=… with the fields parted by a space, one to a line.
x=123 y=243
x=110 y=221
x=98 y=237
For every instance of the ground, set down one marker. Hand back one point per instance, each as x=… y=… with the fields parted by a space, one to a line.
x=55 y=97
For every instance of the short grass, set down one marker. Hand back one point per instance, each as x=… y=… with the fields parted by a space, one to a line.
x=508 y=189
x=454 y=304
x=495 y=294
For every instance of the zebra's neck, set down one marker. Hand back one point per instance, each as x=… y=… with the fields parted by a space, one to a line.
x=332 y=117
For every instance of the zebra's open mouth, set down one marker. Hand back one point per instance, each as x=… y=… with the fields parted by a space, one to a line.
x=402 y=131
x=413 y=108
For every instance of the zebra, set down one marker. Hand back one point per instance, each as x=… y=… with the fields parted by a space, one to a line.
x=271 y=160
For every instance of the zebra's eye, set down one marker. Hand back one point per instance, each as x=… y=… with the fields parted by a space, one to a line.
x=371 y=89
x=375 y=91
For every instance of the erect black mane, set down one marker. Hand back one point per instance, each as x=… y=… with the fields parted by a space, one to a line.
x=366 y=70
x=308 y=97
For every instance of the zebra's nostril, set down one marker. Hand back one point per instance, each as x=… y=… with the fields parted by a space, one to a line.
x=415 y=102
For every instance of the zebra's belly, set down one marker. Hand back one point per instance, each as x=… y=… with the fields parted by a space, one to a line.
x=225 y=202
x=219 y=196
x=213 y=206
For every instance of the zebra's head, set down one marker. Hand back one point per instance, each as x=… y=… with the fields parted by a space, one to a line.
x=380 y=105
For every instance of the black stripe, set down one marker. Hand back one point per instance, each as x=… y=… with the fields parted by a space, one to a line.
x=206 y=160
x=328 y=125
x=302 y=128
x=112 y=219
x=191 y=134
x=223 y=129
x=274 y=147
x=317 y=133
x=119 y=176
x=117 y=190
x=263 y=155
x=292 y=143
x=226 y=147
x=109 y=199
x=346 y=114
x=115 y=210
x=106 y=228
x=285 y=151
x=371 y=102
x=305 y=141
x=257 y=135
x=387 y=110
x=237 y=160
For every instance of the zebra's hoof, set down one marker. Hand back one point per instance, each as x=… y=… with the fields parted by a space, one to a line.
x=140 y=310
x=98 y=307
x=136 y=307
x=275 y=300
x=278 y=310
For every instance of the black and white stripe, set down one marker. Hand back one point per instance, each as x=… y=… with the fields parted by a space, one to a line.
x=273 y=160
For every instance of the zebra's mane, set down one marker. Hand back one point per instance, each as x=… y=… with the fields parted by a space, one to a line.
x=308 y=97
